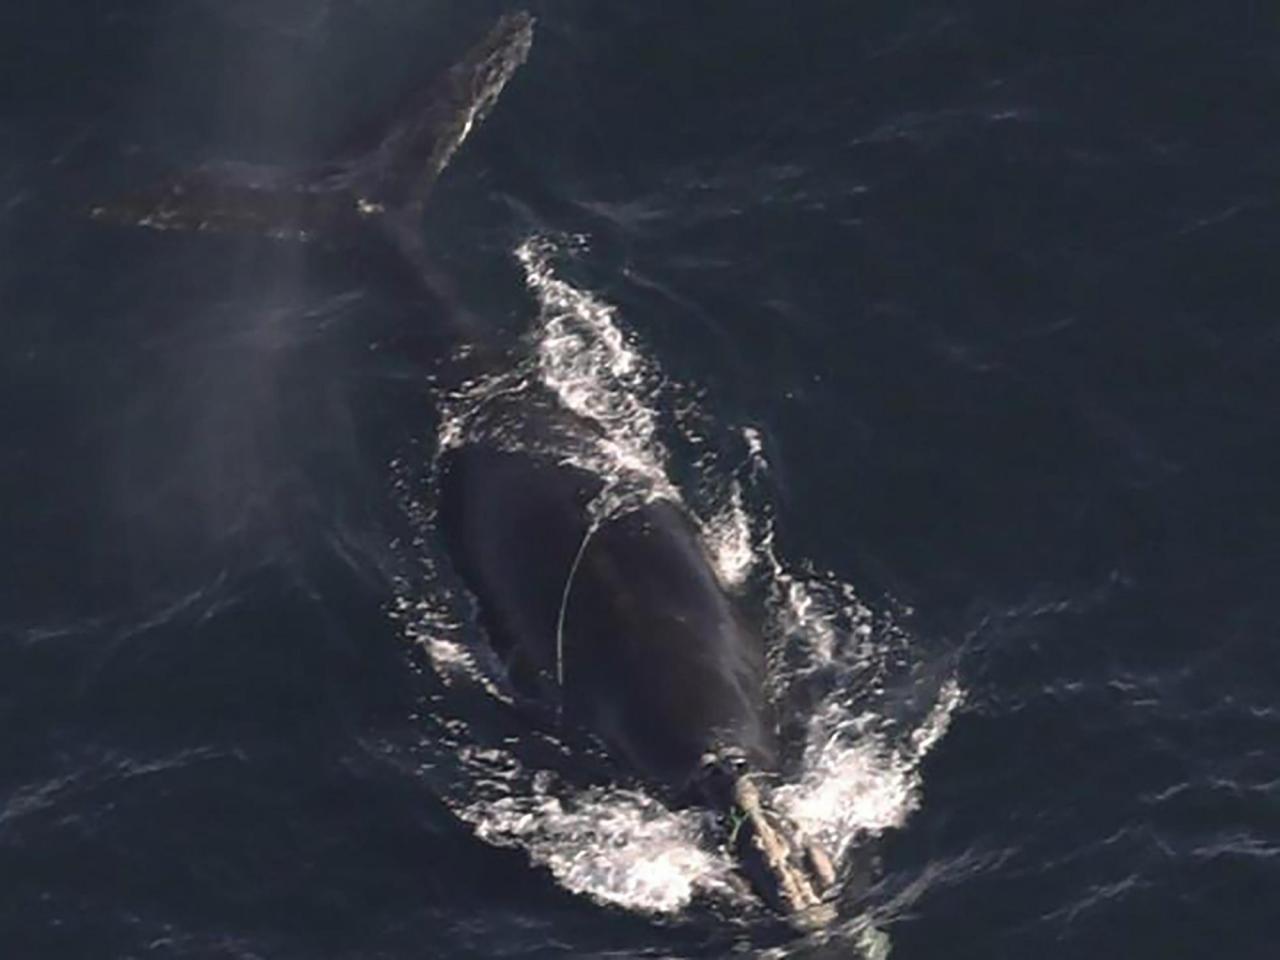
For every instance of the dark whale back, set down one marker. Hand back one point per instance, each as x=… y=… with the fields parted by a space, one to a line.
x=656 y=659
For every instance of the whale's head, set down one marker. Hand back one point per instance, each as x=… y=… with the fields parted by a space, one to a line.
x=792 y=873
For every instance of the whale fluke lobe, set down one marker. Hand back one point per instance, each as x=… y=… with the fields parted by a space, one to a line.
x=388 y=184
x=401 y=171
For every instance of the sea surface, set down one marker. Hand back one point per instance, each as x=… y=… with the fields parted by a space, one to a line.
x=955 y=324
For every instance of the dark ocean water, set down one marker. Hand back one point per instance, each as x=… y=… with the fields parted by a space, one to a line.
x=972 y=306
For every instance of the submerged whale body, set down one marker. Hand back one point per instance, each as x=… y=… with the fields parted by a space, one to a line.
x=621 y=623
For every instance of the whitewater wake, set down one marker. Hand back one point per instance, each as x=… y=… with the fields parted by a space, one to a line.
x=838 y=670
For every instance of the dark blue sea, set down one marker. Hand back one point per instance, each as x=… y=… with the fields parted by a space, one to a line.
x=956 y=325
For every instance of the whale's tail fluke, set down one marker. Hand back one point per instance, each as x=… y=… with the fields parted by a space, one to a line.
x=387 y=184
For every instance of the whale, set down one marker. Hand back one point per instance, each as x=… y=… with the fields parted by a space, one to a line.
x=618 y=625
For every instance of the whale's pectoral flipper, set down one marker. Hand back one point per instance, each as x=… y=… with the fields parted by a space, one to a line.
x=389 y=183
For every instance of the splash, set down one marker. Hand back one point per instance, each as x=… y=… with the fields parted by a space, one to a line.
x=599 y=374
x=728 y=538
x=615 y=846
x=836 y=662
x=857 y=782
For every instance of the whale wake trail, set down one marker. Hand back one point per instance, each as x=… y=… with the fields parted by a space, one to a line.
x=857 y=717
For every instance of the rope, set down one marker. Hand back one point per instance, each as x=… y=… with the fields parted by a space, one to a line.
x=564 y=607
x=736 y=818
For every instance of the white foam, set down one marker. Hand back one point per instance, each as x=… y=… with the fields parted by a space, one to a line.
x=729 y=541
x=596 y=371
x=616 y=846
x=856 y=780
